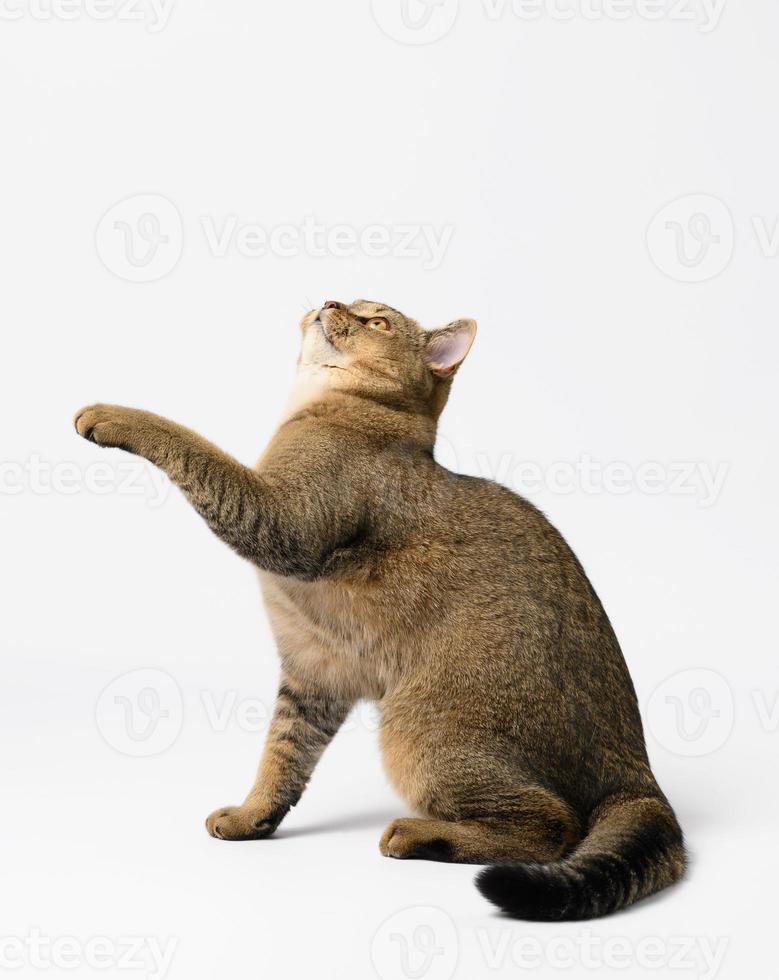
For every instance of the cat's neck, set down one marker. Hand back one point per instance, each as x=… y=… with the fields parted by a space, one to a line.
x=316 y=391
x=310 y=386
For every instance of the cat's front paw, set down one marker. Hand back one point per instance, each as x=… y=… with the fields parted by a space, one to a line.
x=240 y=823
x=107 y=425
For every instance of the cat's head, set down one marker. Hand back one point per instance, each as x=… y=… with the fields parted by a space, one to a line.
x=376 y=351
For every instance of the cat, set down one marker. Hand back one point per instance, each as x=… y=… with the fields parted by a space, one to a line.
x=509 y=722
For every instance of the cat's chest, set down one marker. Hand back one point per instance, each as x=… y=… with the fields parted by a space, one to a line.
x=328 y=633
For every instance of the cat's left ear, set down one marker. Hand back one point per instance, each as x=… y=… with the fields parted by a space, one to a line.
x=447 y=347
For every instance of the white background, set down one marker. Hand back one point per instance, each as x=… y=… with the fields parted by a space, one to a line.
x=543 y=145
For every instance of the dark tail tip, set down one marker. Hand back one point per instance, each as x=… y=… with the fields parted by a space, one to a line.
x=529 y=891
x=633 y=849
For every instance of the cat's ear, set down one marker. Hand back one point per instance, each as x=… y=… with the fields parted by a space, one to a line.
x=447 y=347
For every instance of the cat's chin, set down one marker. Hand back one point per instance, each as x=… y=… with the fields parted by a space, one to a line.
x=317 y=347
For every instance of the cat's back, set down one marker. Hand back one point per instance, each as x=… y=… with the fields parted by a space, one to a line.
x=487 y=519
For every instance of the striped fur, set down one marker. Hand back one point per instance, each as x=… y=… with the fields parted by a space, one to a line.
x=633 y=848
x=509 y=722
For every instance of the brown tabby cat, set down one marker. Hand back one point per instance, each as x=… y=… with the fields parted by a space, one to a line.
x=508 y=718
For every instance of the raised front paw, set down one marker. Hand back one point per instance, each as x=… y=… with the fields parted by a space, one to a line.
x=108 y=425
x=240 y=823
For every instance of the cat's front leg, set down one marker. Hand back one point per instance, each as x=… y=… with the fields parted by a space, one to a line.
x=278 y=523
x=303 y=724
x=229 y=496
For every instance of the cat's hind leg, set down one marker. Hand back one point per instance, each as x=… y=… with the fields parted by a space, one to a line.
x=532 y=835
x=477 y=804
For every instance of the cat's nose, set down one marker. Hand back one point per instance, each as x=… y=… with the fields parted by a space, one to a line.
x=333 y=304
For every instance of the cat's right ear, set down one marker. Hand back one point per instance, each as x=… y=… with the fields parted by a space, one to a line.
x=448 y=346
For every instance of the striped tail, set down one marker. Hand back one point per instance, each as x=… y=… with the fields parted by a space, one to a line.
x=634 y=848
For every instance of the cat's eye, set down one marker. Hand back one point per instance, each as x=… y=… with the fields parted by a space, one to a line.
x=378 y=323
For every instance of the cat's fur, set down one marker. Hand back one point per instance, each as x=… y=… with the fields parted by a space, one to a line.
x=509 y=721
